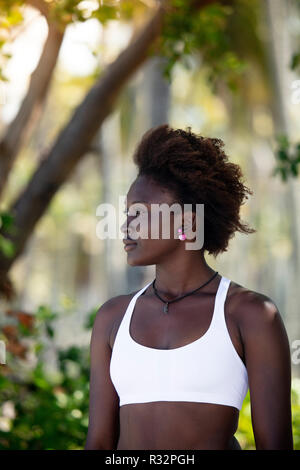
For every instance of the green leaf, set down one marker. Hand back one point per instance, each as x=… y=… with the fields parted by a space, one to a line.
x=91 y=318
x=24 y=330
x=6 y=220
x=295 y=61
x=7 y=247
x=294 y=168
x=105 y=13
x=282 y=155
x=44 y=313
x=283 y=141
x=49 y=330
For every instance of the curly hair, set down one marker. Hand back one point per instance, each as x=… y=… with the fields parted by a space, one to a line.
x=196 y=170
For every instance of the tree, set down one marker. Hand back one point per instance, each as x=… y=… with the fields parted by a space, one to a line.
x=174 y=29
x=72 y=143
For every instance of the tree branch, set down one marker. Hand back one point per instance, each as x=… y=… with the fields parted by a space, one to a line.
x=19 y=129
x=39 y=5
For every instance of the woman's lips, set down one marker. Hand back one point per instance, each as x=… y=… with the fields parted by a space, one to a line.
x=130 y=246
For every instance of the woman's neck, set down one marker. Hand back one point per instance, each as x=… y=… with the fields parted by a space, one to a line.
x=178 y=276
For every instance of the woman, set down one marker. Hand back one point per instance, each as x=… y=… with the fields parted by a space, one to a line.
x=172 y=363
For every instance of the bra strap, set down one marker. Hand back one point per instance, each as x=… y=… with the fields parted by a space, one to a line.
x=131 y=305
x=219 y=313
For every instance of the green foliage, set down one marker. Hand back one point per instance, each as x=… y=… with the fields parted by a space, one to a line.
x=49 y=410
x=61 y=12
x=244 y=433
x=295 y=61
x=91 y=318
x=7 y=247
x=296 y=412
x=10 y=13
x=10 y=16
x=188 y=30
x=288 y=158
x=68 y=11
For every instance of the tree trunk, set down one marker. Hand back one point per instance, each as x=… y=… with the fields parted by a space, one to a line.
x=31 y=107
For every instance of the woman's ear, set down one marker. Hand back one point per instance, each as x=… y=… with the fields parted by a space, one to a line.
x=189 y=224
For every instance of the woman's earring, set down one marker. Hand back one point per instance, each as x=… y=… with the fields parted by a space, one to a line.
x=182 y=236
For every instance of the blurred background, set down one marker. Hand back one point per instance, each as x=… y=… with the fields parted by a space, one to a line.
x=80 y=82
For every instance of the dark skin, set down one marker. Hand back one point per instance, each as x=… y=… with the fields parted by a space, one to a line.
x=255 y=328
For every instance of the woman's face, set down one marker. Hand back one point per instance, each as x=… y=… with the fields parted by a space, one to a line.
x=147 y=251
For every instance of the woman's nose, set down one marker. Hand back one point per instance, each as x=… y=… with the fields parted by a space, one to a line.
x=124 y=227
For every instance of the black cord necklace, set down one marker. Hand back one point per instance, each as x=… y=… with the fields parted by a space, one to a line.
x=166 y=306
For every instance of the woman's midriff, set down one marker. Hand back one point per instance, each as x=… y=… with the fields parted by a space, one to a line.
x=177 y=425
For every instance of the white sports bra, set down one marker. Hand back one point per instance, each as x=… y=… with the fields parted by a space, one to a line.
x=208 y=370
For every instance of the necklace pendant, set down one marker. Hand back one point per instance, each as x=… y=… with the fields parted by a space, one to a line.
x=166 y=306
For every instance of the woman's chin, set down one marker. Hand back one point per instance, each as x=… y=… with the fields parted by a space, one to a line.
x=135 y=259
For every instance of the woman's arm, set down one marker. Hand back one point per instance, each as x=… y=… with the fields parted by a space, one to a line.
x=268 y=362
x=103 y=430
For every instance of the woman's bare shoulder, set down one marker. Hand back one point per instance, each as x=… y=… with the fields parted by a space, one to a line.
x=251 y=308
x=110 y=314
